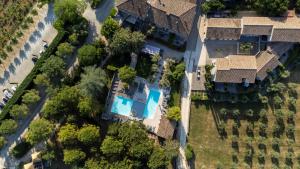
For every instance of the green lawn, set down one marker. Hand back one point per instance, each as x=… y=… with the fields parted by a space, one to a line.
x=211 y=150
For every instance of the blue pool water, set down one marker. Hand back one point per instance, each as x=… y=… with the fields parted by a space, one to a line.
x=122 y=106
x=151 y=104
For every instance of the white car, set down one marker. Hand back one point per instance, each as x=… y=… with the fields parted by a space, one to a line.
x=14 y=88
x=7 y=94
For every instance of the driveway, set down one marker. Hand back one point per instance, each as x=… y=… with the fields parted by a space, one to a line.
x=96 y=18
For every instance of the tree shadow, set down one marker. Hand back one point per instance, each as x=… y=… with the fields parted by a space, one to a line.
x=27 y=46
x=41 y=26
x=37 y=34
x=22 y=54
x=12 y=68
x=17 y=61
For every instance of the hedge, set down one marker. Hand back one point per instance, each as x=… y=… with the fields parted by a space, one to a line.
x=27 y=82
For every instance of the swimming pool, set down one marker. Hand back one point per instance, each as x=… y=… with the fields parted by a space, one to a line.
x=151 y=104
x=124 y=106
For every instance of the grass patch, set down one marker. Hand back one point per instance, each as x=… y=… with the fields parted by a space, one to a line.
x=212 y=150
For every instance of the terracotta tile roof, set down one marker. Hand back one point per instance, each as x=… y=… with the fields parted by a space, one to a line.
x=236 y=62
x=265 y=61
x=175 y=15
x=223 y=33
x=137 y=8
x=166 y=128
x=281 y=29
x=236 y=68
x=174 y=7
x=286 y=35
x=257 y=29
x=235 y=75
x=277 y=22
x=224 y=23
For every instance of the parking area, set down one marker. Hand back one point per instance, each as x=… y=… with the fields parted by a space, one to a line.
x=15 y=69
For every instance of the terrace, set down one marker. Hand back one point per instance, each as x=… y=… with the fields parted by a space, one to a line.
x=141 y=101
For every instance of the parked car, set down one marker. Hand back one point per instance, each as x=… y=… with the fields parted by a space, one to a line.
x=1 y=105
x=14 y=88
x=7 y=94
x=5 y=100
x=34 y=59
x=45 y=44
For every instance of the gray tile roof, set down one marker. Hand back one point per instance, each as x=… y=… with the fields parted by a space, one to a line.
x=174 y=15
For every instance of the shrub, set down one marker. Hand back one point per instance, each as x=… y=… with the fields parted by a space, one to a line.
x=189 y=152
x=34 y=12
x=113 y=12
x=2 y=142
x=8 y=48
x=95 y=3
x=26 y=83
x=8 y=126
x=21 y=149
x=173 y=113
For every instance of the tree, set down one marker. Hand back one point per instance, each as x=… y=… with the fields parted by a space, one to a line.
x=67 y=134
x=39 y=130
x=127 y=74
x=189 y=153
x=111 y=147
x=41 y=80
x=93 y=164
x=88 y=134
x=85 y=106
x=8 y=126
x=92 y=82
x=31 y=97
x=68 y=10
x=124 y=41
x=298 y=5
x=88 y=55
x=213 y=5
x=65 y=101
x=171 y=149
x=19 y=111
x=109 y=28
x=178 y=73
x=2 y=142
x=272 y=7
x=277 y=101
x=73 y=156
x=54 y=67
x=64 y=49
x=173 y=113
x=223 y=112
x=158 y=159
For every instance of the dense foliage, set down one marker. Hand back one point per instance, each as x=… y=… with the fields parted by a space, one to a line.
x=272 y=7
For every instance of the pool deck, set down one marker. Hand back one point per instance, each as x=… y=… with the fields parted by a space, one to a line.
x=134 y=94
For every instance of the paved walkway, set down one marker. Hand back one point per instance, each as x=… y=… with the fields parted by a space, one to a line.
x=191 y=58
